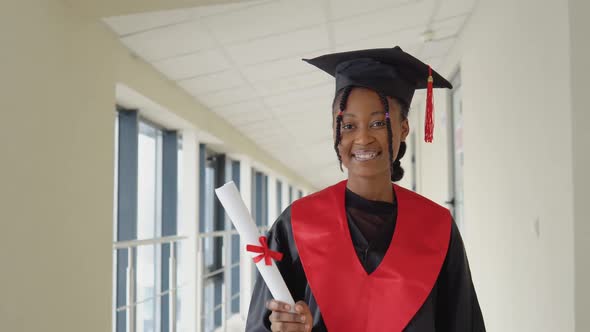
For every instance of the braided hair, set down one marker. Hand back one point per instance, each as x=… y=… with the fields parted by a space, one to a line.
x=397 y=172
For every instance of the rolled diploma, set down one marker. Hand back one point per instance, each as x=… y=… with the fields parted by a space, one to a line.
x=235 y=208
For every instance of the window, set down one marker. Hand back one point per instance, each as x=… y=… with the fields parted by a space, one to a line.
x=235 y=250
x=259 y=206
x=279 y=198
x=149 y=193
x=219 y=243
x=260 y=198
x=145 y=224
x=212 y=176
x=299 y=193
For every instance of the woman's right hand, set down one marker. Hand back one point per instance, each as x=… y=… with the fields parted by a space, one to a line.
x=283 y=320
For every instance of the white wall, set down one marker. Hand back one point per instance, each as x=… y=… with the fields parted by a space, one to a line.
x=580 y=68
x=56 y=193
x=514 y=59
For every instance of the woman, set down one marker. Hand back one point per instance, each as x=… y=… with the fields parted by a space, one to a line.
x=366 y=255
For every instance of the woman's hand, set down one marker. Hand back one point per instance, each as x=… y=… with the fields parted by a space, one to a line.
x=282 y=320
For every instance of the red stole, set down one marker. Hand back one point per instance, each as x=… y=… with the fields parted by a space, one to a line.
x=387 y=299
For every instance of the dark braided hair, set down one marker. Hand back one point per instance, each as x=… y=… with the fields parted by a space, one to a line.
x=397 y=172
x=345 y=93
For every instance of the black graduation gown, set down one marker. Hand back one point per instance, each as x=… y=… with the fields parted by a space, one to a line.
x=452 y=305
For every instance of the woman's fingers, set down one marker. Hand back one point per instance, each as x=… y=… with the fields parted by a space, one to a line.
x=301 y=307
x=288 y=327
x=274 y=305
x=283 y=320
x=286 y=317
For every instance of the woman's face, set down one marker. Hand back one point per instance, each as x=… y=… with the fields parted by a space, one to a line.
x=364 y=145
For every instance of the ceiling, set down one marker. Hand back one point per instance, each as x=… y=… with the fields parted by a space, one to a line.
x=243 y=61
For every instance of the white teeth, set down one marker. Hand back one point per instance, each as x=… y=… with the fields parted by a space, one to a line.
x=365 y=156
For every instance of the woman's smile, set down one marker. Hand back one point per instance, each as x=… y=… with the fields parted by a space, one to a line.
x=365 y=155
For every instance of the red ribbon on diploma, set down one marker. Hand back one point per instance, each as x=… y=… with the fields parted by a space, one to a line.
x=264 y=251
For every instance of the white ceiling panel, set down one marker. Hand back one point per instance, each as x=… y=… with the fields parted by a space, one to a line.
x=297 y=96
x=208 y=83
x=436 y=49
x=308 y=132
x=253 y=22
x=228 y=97
x=380 y=22
x=272 y=128
x=295 y=82
x=279 y=46
x=281 y=68
x=448 y=27
x=349 y=8
x=259 y=128
x=255 y=127
x=221 y=9
x=276 y=148
x=436 y=63
x=245 y=118
x=169 y=41
x=250 y=106
x=451 y=8
x=200 y=63
x=409 y=40
x=128 y=24
x=309 y=106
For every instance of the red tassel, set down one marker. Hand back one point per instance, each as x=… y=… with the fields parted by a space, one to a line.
x=429 y=119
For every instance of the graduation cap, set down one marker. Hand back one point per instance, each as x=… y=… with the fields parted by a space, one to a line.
x=388 y=71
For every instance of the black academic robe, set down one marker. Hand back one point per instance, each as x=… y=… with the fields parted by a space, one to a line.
x=451 y=306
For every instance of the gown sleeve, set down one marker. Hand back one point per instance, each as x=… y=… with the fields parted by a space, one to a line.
x=457 y=305
x=279 y=240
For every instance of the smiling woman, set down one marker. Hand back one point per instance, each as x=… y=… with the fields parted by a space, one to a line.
x=364 y=135
x=366 y=254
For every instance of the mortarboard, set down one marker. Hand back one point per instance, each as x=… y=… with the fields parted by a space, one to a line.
x=389 y=71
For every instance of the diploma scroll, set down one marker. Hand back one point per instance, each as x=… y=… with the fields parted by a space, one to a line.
x=238 y=213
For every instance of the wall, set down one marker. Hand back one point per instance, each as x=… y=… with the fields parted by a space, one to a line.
x=514 y=59
x=59 y=72
x=580 y=68
x=56 y=192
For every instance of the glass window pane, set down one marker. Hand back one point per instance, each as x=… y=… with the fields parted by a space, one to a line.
x=279 y=198
x=147 y=177
x=212 y=298
x=209 y=199
x=235 y=289
x=146 y=288
x=235 y=248
x=145 y=318
x=185 y=308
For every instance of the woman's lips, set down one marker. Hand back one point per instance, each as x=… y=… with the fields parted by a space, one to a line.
x=365 y=155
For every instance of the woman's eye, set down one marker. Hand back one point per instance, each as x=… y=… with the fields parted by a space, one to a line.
x=347 y=126
x=378 y=124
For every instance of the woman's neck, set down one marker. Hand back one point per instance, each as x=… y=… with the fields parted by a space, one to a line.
x=376 y=188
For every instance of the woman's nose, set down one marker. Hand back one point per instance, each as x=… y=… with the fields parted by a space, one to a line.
x=363 y=137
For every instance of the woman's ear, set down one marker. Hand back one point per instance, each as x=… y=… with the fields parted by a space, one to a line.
x=405 y=129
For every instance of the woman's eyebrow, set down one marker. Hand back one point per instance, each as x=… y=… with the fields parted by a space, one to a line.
x=353 y=115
